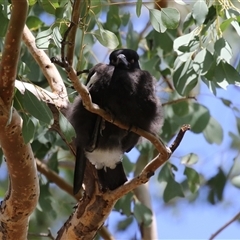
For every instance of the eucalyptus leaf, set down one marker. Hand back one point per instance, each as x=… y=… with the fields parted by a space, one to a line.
x=142 y=213
x=106 y=38
x=138 y=7
x=190 y=159
x=213 y=133
x=37 y=108
x=28 y=128
x=193 y=179
x=43 y=38
x=66 y=128
x=173 y=189
x=156 y=20
x=170 y=17
x=199 y=11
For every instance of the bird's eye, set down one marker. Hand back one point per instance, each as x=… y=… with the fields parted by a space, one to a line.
x=132 y=61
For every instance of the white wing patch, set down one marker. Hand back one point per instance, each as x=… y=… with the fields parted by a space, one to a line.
x=104 y=158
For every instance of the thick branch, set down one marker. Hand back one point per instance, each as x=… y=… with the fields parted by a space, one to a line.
x=10 y=55
x=49 y=70
x=23 y=192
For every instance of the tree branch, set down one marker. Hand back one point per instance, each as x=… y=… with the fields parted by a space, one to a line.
x=73 y=31
x=48 y=68
x=236 y=217
x=23 y=192
x=22 y=196
x=10 y=55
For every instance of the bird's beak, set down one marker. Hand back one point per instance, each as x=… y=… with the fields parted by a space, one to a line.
x=122 y=58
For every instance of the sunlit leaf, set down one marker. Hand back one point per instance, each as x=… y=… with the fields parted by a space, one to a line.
x=43 y=38
x=236 y=181
x=190 y=159
x=185 y=78
x=156 y=20
x=106 y=38
x=199 y=11
x=170 y=17
x=34 y=23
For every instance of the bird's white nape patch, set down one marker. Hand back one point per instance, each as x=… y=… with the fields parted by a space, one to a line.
x=104 y=158
x=92 y=80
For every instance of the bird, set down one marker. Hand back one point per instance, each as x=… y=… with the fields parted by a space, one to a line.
x=126 y=92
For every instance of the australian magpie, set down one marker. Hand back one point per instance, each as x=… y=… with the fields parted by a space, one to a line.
x=128 y=94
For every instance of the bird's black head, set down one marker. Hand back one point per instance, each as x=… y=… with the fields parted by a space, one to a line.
x=124 y=58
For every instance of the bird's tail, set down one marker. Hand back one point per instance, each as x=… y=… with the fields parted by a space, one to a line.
x=112 y=178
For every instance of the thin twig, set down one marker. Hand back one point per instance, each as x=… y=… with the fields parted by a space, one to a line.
x=236 y=217
x=72 y=33
x=178 y=100
x=179 y=137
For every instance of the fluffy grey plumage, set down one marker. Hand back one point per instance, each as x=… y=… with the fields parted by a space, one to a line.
x=128 y=93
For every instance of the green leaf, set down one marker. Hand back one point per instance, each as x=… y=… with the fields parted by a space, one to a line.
x=223 y=49
x=192 y=179
x=217 y=184
x=200 y=117
x=43 y=38
x=202 y=62
x=142 y=213
x=185 y=78
x=28 y=128
x=172 y=190
x=124 y=224
x=45 y=201
x=200 y=11
x=180 y=108
x=138 y=7
x=124 y=204
x=127 y=164
x=53 y=163
x=96 y=6
x=226 y=102
x=34 y=23
x=165 y=173
x=188 y=21
x=227 y=72
x=213 y=133
x=37 y=108
x=234 y=23
x=189 y=159
x=235 y=140
x=225 y=24
x=49 y=6
x=170 y=17
x=106 y=38
x=66 y=128
x=31 y=2
x=156 y=20
x=4 y=23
